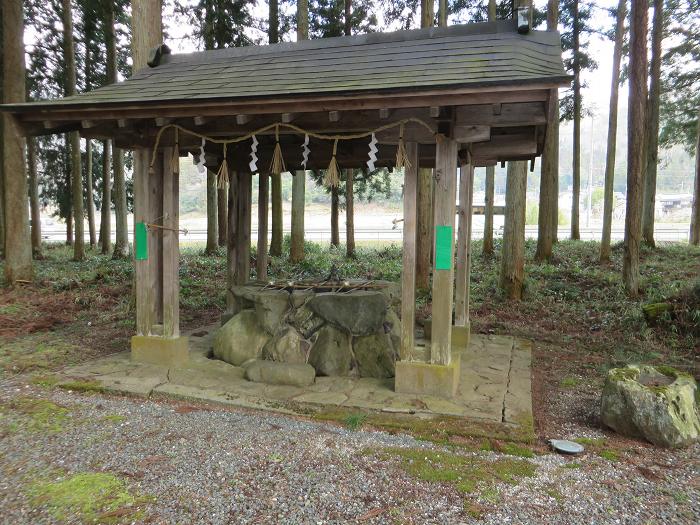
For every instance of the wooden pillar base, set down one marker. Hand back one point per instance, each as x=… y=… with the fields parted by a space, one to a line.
x=416 y=377
x=156 y=350
x=460 y=334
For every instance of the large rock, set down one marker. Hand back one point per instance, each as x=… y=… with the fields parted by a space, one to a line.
x=654 y=403
x=359 y=313
x=304 y=320
x=271 y=306
x=392 y=326
x=287 y=347
x=240 y=339
x=274 y=373
x=331 y=354
x=374 y=355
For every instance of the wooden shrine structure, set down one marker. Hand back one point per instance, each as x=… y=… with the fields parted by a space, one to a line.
x=445 y=98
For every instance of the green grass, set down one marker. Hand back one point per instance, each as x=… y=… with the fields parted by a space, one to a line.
x=608 y=454
x=569 y=382
x=355 y=421
x=91 y=497
x=82 y=386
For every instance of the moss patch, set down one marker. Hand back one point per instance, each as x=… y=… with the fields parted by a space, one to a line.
x=40 y=415
x=89 y=496
x=441 y=429
x=82 y=386
x=466 y=473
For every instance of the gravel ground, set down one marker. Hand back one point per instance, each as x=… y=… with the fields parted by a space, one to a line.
x=204 y=464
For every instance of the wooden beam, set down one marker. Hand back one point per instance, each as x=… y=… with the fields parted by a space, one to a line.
x=434 y=111
x=333 y=116
x=408 y=270
x=50 y=124
x=263 y=200
x=142 y=268
x=466 y=134
x=200 y=121
x=163 y=121
x=242 y=120
x=466 y=179
x=287 y=118
x=445 y=190
x=384 y=113
x=497 y=108
x=171 y=248
x=123 y=123
x=88 y=123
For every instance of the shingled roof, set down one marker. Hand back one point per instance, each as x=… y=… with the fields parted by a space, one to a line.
x=472 y=55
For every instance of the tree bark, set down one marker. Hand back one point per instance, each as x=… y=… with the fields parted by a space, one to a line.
x=612 y=132
x=212 y=215
x=576 y=163
x=490 y=180
x=74 y=137
x=349 y=213
x=635 y=143
x=513 y=252
x=89 y=193
x=18 y=253
x=34 y=208
x=548 y=217
x=652 y=139
x=442 y=14
x=335 y=234
x=222 y=212
x=106 y=210
x=121 y=245
x=296 y=251
x=694 y=234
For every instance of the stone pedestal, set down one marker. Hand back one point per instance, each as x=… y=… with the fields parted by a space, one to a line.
x=460 y=334
x=157 y=350
x=415 y=377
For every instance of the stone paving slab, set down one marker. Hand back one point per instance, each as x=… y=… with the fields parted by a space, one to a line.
x=495 y=384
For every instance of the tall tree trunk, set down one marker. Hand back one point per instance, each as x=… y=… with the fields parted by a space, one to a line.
x=635 y=143
x=335 y=234
x=275 y=178
x=349 y=213
x=652 y=139
x=222 y=212
x=548 y=217
x=212 y=216
x=442 y=14
x=18 y=253
x=34 y=210
x=490 y=184
x=576 y=183
x=89 y=193
x=106 y=210
x=296 y=251
x=612 y=132
x=424 y=194
x=74 y=137
x=694 y=234
x=513 y=252
x=121 y=244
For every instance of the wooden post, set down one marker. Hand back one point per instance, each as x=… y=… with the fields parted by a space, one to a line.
x=155 y=236
x=443 y=272
x=231 y=236
x=171 y=248
x=263 y=199
x=296 y=252
x=142 y=268
x=243 y=231
x=408 y=271
x=464 y=234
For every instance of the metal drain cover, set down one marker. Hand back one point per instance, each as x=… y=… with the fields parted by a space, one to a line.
x=566 y=447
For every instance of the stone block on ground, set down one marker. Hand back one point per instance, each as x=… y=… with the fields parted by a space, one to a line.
x=240 y=339
x=274 y=373
x=287 y=346
x=374 y=355
x=654 y=403
x=331 y=353
x=358 y=313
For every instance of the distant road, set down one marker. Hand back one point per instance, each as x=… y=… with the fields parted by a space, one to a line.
x=663 y=232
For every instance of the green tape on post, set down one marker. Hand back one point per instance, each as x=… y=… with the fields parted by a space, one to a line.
x=141 y=241
x=443 y=247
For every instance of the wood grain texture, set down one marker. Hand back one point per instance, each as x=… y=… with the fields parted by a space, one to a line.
x=171 y=247
x=408 y=269
x=466 y=180
x=445 y=189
